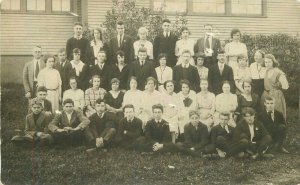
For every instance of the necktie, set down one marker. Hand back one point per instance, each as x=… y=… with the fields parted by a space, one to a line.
x=270 y=114
x=120 y=41
x=142 y=63
x=207 y=45
x=37 y=69
x=221 y=69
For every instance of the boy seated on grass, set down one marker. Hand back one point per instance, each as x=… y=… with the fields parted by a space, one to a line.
x=36 y=126
x=102 y=129
x=157 y=134
x=196 y=137
x=222 y=138
x=41 y=95
x=130 y=128
x=68 y=126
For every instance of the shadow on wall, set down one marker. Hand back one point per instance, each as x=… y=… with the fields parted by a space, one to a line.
x=12 y=68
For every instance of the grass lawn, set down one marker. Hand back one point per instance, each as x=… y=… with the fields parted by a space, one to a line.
x=117 y=166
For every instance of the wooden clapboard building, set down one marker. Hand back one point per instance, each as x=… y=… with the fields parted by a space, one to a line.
x=49 y=23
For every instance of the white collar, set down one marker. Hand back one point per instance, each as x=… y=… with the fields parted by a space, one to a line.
x=80 y=64
x=75 y=36
x=187 y=65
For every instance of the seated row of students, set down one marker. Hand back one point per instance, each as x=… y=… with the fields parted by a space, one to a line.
x=252 y=135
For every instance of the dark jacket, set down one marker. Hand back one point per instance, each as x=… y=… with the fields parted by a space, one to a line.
x=126 y=47
x=105 y=75
x=219 y=131
x=196 y=138
x=191 y=74
x=133 y=129
x=41 y=124
x=160 y=133
x=98 y=124
x=83 y=44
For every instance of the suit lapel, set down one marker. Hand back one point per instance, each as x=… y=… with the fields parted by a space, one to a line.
x=65 y=119
x=40 y=119
x=31 y=120
x=30 y=69
x=213 y=41
x=73 y=117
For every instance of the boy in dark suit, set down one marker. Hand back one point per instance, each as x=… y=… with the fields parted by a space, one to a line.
x=165 y=43
x=275 y=123
x=255 y=133
x=102 y=69
x=219 y=73
x=61 y=67
x=142 y=69
x=185 y=71
x=68 y=126
x=41 y=95
x=78 y=41
x=157 y=134
x=121 y=42
x=208 y=45
x=222 y=138
x=130 y=128
x=36 y=126
x=196 y=137
x=102 y=128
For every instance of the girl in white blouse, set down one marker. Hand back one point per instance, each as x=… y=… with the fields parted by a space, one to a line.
x=163 y=72
x=77 y=95
x=241 y=74
x=258 y=72
x=185 y=43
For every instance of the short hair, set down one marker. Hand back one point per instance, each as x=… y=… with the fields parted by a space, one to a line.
x=221 y=51
x=120 y=23
x=185 y=82
x=132 y=78
x=199 y=55
x=194 y=112
x=41 y=89
x=203 y=80
x=225 y=114
x=272 y=57
x=186 y=51
x=37 y=46
x=61 y=50
x=76 y=50
x=158 y=106
x=143 y=29
x=248 y=110
x=92 y=79
x=68 y=100
x=100 y=32
x=78 y=24
x=247 y=81
x=47 y=56
x=99 y=101
x=36 y=101
x=73 y=78
x=142 y=49
x=261 y=52
x=269 y=98
x=150 y=78
x=242 y=56
x=128 y=106
x=184 y=28
x=169 y=81
x=162 y=55
x=166 y=20
x=234 y=31
x=120 y=53
x=115 y=80
x=225 y=82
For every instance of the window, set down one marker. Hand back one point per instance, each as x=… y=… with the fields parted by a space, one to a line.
x=212 y=7
x=246 y=7
x=170 y=5
x=11 y=5
x=61 y=5
x=38 y=5
x=209 y=6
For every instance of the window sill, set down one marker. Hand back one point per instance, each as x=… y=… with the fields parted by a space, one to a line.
x=38 y=13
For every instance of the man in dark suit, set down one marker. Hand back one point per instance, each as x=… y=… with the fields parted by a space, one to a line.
x=36 y=126
x=219 y=73
x=61 y=67
x=121 y=42
x=78 y=41
x=208 y=45
x=102 y=69
x=41 y=95
x=196 y=137
x=130 y=128
x=68 y=126
x=142 y=69
x=275 y=123
x=165 y=43
x=185 y=71
x=102 y=128
x=255 y=133
x=31 y=71
x=157 y=134
x=222 y=138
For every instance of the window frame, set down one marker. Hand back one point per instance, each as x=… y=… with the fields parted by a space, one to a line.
x=227 y=12
x=48 y=9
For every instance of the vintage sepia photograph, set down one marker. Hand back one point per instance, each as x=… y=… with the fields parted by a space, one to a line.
x=167 y=92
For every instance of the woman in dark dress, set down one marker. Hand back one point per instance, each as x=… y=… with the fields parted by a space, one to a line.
x=114 y=99
x=120 y=71
x=247 y=98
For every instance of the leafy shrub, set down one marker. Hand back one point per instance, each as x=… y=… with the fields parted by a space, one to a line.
x=134 y=18
x=286 y=50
